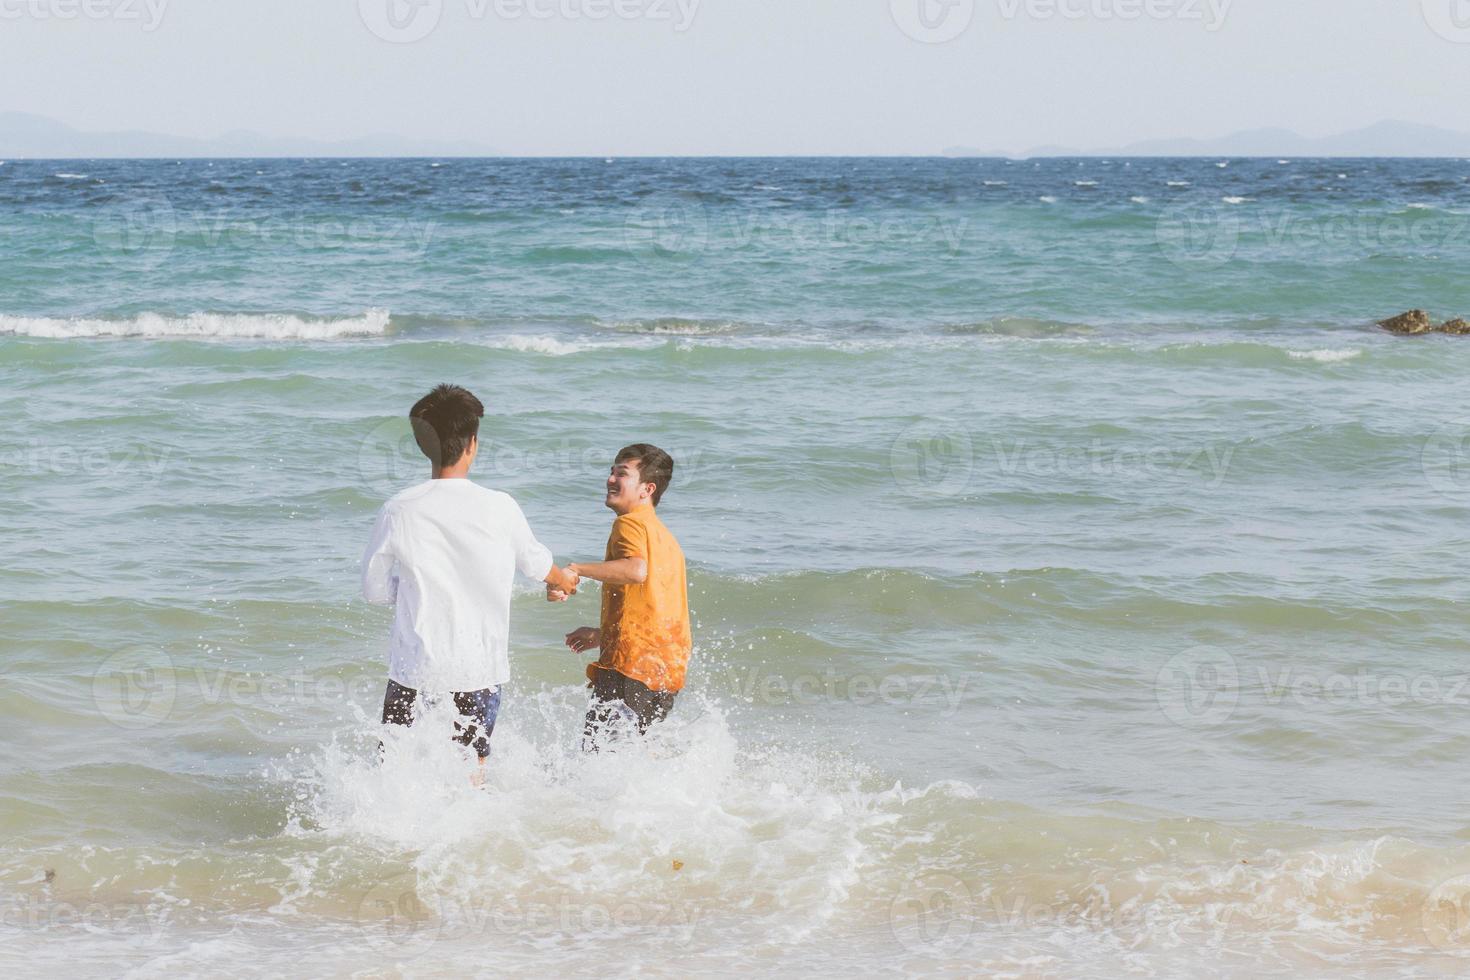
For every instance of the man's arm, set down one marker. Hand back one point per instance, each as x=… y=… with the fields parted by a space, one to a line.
x=561 y=580
x=379 y=576
x=620 y=571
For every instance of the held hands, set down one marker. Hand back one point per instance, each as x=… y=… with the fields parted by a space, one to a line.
x=584 y=639
x=563 y=584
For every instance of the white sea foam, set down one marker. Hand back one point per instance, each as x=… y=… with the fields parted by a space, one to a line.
x=777 y=829
x=66 y=176
x=995 y=183
x=225 y=326
x=1178 y=183
x=1325 y=355
x=1085 y=183
x=1047 y=199
x=1235 y=200
x=1140 y=199
x=527 y=344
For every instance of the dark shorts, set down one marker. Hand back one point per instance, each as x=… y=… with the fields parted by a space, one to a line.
x=615 y=697
x=477 y=711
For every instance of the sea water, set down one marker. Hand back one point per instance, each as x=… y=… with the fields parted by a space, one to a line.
x=1078 y=577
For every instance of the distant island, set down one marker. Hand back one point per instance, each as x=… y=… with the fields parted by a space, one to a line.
x=1390 y=138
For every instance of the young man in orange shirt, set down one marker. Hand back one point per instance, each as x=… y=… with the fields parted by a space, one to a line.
x=644 y=640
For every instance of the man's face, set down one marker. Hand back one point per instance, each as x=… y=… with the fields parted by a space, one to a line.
x=624 y=492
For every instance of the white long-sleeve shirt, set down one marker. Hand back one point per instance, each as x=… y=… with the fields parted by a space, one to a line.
x=444 y=554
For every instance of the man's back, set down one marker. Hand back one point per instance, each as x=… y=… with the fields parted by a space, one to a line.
x=445 y=553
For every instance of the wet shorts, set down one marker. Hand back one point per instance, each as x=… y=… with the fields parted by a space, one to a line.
x=619 y=700
x=477 y=711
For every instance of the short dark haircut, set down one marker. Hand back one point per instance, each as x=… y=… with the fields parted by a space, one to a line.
x=444 y=421
x=654 y=466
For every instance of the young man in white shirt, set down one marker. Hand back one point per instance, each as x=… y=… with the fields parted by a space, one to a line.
x=444 y=554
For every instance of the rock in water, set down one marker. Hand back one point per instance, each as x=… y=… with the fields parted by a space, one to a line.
x=1455 y=326
x=1412 y=322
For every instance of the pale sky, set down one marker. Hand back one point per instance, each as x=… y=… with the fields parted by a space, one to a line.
x=745 y=77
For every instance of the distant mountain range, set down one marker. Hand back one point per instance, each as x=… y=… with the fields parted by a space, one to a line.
x=1385 y=139
x=25 y=135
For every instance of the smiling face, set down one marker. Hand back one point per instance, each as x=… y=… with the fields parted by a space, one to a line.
x=624 y=489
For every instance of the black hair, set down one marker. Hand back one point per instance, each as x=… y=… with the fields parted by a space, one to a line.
x=444 y=421
x=654 y=466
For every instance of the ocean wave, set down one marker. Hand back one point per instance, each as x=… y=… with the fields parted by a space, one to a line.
x=201 y=326
x=1019 y=326
x=1325 y=355
x=535 y=344
x=677 y=327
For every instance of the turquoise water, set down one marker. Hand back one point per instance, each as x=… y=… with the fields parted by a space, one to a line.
x=1078 y=577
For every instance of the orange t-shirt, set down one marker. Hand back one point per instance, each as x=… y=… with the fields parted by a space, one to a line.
x=645 y=627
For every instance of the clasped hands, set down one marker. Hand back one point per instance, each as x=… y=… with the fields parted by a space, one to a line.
x=565 y=585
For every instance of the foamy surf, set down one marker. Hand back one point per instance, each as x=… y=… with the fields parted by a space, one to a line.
x=1325 y=355
x=686 y=817
x=201 y=326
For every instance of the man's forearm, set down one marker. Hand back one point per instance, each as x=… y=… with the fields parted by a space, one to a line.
x=623 y=571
